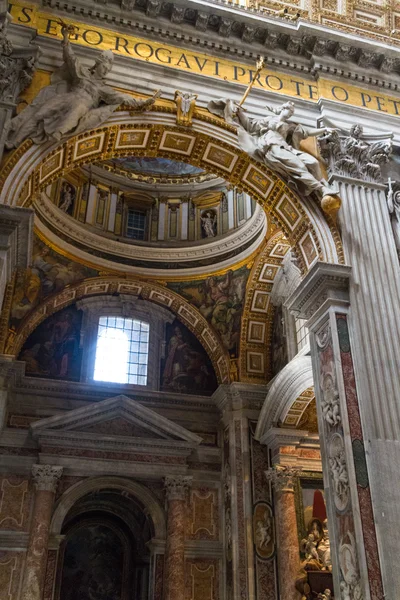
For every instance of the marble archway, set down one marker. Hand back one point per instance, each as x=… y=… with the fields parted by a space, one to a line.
x=286 y=388
x=209 y=143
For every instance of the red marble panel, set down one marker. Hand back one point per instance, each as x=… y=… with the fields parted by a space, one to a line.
x=50 y=576
x=242 y=567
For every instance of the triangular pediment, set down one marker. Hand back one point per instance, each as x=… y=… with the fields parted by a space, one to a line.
x=112 y=419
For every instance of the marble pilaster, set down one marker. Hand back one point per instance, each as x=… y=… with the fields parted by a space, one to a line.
x=46 y=478
x=283 y=481
x=323 y=299
x=374 y=293
x=240 y=405
x=176 y=492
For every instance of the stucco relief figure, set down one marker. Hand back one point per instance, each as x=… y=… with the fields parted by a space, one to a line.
x=275 y=141
x=338 y=471
x=350 y=586
x=393 y=201
x=330 y=402
x=77 y=99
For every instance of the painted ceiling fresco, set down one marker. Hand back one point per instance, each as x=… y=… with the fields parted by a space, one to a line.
x=49 y=272
x=220 y=300
x=154 y=166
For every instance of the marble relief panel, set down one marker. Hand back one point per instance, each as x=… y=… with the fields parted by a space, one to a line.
x=15 y=499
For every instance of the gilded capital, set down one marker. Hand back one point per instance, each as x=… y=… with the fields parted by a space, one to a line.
x=46 y=477
x=176 y=488
x=283 y=478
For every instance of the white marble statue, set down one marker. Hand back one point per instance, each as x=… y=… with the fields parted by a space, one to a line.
x=208 y=223
x=77 y=100
x=275 y=140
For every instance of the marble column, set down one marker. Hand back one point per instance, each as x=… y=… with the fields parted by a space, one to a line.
x=46 y=478
x=176 y=491
x=323 y=299
x=283 y=481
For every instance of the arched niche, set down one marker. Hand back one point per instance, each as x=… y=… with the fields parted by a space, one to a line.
x=128 y=486
x=209 y=143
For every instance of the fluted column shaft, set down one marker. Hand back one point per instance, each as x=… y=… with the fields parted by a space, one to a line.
x=374 y=291
x=45 y=478
x=286 y=530
x=176 y=491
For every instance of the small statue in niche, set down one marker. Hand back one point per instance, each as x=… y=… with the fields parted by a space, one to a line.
x=67 y=198
x=209 y=223
x=77 y=100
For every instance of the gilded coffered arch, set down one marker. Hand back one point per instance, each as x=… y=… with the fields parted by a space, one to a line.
x=256 y=330
x=209 y=143
x=146 y=290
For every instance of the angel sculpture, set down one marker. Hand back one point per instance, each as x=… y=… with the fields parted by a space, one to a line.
x=77 y=100
x=275 y=141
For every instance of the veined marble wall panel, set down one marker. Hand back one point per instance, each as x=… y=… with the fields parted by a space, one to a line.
x=202 y=579
x=15 y=502
x=203 y=514
x=11 y=566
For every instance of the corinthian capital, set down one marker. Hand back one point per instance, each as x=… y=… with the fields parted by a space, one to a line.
x=46 y=477
x=283 y=478
x=177 y=487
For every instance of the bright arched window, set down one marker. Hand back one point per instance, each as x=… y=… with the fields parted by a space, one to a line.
x=122 y=351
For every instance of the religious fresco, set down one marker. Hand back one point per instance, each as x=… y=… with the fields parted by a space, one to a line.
x=154 y=166
x=186 y=367
x=93 y=565
x=52 y=350
x=220 y=300
x=49 y=272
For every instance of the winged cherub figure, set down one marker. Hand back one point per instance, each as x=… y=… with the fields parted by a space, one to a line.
x=77 y=100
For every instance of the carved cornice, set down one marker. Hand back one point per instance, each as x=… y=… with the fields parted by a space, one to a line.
x=177 y=488
x=46 y=477
x=315 y=46
x=324 y=284
x=251 y=233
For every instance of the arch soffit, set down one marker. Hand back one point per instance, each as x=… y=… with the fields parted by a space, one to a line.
x=288 y=385
x=209 y=144
x=82 y=488
x=256 y=328
x=146 y=290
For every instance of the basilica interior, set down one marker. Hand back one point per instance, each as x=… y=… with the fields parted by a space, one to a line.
x=200 y=292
